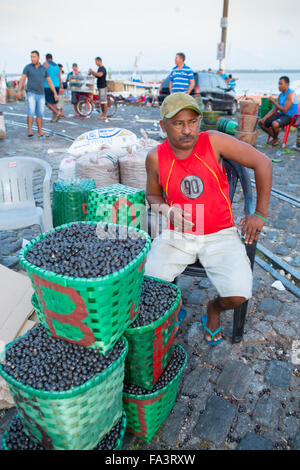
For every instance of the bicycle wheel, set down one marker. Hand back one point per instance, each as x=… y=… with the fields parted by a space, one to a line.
x=111 y=106
x=84 y=107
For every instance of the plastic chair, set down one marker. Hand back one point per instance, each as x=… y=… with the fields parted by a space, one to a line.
x=294 y=123
x=235 y=172
x=17 y=204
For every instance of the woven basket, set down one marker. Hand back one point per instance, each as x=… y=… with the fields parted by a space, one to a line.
x=90 y=312
x=118 y=444
x=38 y=309
x=246 y=122
x=118 y=204
x=150 y=347
x=146 y=413
x=70 y=199
x=74 y=419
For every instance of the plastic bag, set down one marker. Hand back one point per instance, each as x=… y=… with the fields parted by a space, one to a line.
x=67 y=168
x=115 y=139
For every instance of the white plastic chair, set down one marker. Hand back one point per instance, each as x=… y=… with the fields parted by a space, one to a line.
x=17 y=204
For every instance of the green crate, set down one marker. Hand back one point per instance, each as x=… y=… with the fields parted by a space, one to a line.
x=74 y=419
x=118 y=444
x=118 y=204
x=147 y=413
x=91 y=312
x=150 y=347
x=70 y=199
x=265 y=107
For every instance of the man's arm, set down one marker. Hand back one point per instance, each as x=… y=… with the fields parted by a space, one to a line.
x=154 y=195
x=60 y=84
x=96 y=74
x=171 y=82
x=191 y=86
x=288 y=103
x=21 y=84
x=248 y=156
x=49 y=81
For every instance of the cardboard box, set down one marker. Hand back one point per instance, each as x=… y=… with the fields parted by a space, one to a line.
x=15 y=303
x=15 y=310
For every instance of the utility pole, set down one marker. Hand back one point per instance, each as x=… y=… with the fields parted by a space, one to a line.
x=222 y=44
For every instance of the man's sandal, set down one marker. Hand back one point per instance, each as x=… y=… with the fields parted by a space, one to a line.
x=212 y=334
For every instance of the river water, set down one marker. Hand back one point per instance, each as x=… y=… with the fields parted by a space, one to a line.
x=253 y=83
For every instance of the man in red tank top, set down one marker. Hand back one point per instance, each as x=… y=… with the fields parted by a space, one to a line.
x=187 y=183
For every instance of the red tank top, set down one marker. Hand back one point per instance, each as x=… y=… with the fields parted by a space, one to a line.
x=198 y=185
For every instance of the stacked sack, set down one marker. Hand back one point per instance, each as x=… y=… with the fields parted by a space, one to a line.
x=132 y=164
x=247 y=121
x=96 y=310
x=109 y=156
x=66 y=375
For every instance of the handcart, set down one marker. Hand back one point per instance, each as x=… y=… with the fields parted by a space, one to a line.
x=87 y=98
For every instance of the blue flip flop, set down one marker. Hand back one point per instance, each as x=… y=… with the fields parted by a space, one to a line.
x=212 y=334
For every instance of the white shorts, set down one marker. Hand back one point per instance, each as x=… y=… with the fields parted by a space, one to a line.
x=222 y=254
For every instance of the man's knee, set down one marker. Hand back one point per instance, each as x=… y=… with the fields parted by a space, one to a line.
x=275 y=125
x=228 y=303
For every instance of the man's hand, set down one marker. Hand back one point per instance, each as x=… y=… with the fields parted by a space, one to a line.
x=19 y=95
x=263 y=120
x=271 y=100
x=252 y=226
x=55 y=96
x=179 y=218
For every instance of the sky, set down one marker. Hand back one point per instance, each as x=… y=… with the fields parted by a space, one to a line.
x=262 y=34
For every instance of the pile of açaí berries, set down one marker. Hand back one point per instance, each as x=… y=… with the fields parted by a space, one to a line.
x=86 y=250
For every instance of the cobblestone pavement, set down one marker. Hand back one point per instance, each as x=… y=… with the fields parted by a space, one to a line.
x=241 y=396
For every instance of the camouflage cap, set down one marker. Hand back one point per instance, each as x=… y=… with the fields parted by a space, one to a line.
x=174 y=103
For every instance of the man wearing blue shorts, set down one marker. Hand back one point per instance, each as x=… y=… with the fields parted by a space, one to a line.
x=35 y=73
x=182 y=76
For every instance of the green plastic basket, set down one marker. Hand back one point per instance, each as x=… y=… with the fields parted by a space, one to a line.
x=207 y=127
x=146 y=413
x=118 y=444
x=74 y=419
x=210 y=117
x=38 y=309
x=150 y=347
x=118 y=204
x=70 y=199
x=91 y=312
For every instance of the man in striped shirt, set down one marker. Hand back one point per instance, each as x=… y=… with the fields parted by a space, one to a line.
x=182 y=76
